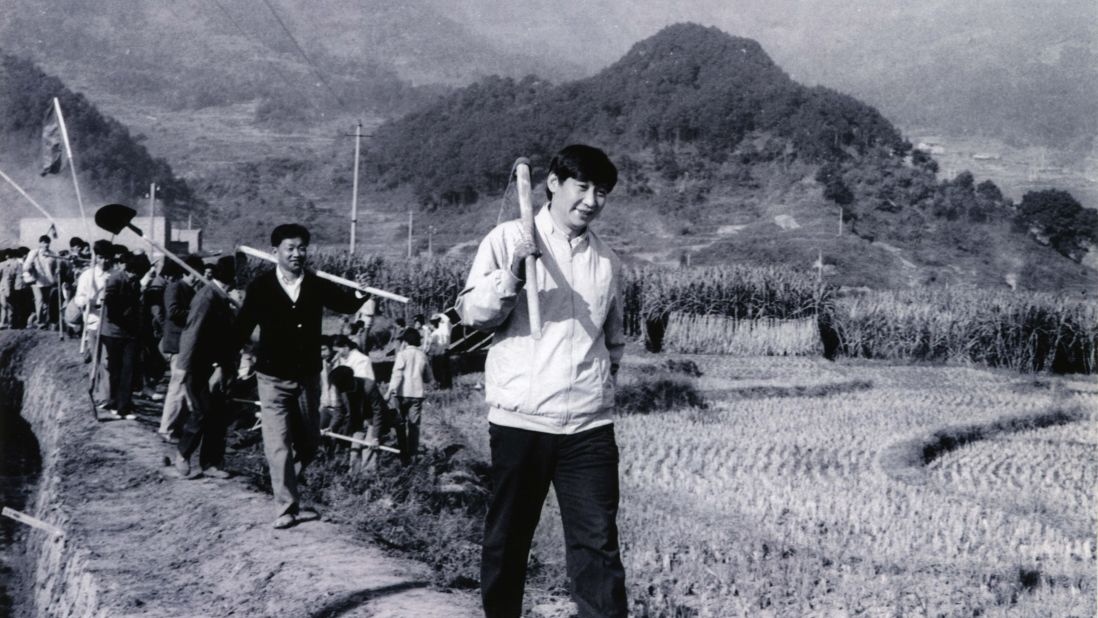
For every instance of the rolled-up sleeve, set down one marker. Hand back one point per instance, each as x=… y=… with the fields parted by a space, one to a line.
x=491 y=289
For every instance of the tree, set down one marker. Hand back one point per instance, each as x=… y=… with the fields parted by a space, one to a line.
x=1058 y=216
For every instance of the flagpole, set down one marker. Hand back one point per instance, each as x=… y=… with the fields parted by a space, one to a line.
x=72 y=165
x=29 y=198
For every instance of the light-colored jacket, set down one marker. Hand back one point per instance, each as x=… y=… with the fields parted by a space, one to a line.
x=410 y=370
x=38 y=268
x=561 y=383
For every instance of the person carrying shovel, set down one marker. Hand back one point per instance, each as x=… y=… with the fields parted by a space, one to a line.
x=549 y=385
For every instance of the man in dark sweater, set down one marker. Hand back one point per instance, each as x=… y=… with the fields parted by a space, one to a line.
x=287 y=304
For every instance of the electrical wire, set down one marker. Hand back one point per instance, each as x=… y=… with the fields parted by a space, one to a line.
x=300 y=50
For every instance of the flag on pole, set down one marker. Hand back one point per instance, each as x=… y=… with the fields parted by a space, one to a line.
x=52 y=231
x=51 y=144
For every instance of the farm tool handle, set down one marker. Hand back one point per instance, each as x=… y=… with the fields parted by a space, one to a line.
x=526 y=210
x=339 y=436
x=256 y=253
x=116 y=217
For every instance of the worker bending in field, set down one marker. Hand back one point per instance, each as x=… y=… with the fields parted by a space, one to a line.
x=551 y=400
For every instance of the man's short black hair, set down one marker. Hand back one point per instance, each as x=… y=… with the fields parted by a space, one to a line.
x=326 y=340
x=289 y=230
x=44 y=238
x=76 y=241
x=225 y=269
x=585 y=164
x=194 y=262
x=412 y=337
x=102 y=247
x=341 y=341
x=342 y=378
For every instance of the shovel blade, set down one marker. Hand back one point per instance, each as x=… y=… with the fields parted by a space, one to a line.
x=114 y=217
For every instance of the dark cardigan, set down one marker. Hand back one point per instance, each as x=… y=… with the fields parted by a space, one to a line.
x=289 y=333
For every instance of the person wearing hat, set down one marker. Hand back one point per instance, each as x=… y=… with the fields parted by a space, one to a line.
x=207 y=359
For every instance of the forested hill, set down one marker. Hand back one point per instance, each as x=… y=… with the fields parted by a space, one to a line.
x=687 y=87
x=725 y=158
x=112 y=164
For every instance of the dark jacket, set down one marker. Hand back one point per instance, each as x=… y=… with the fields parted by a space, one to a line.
x=289 y=333
x=177 y=304
x=209 y=336
x=122 y=303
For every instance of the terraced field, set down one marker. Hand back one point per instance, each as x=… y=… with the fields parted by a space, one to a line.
x=770 y=503
x=810 y=488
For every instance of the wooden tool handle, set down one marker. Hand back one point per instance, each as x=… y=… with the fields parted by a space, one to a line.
x=526 y=209
x=263 y=255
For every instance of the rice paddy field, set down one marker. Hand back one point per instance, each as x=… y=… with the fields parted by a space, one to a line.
x=858 y=488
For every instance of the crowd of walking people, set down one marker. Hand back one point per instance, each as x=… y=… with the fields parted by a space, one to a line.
x=157 y=331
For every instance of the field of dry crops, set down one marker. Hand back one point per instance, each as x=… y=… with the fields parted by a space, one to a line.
x=808 y=488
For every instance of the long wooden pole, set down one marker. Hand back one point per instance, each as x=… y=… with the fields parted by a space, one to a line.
x=152 y=210
x=256 y=253
x=30 y=199
x=354 y=188
x=72 y=165
x=526 y=210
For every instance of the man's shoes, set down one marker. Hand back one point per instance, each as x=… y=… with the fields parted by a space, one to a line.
x=168 y=438
x=285 y=521
x=215 y=473
x=288 y=520
x=182 y=466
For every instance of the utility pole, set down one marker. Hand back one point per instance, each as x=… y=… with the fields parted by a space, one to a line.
x=152 y=211
x=409 y=232
x=840 y=220
x=354 y=188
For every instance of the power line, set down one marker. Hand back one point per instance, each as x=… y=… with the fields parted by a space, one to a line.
x=274 y=65
x=301 y=51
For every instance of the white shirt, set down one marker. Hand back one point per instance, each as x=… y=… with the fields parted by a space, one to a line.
x=289 y=284
x=88 y=286
x=359 y=363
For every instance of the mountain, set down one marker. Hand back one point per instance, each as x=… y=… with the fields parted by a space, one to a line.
x=113 y=164
x=725 y=157
x=687 y=88
x=306 y=60
x=1023 y=72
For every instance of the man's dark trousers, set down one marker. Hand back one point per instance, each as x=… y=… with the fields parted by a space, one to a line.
x=121 y=359
x=206 y=423
x=583 y=469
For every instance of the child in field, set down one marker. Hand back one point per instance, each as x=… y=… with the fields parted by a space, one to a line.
x=410 y=371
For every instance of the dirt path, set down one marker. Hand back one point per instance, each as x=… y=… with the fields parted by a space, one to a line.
x=153 y=545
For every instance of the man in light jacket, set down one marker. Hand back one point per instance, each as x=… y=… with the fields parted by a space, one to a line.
x=551 y=400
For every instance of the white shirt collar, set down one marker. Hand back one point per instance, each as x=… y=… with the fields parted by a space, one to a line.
x=290 y=285
x=545 y=216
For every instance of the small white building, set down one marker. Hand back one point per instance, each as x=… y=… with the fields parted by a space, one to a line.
x=158 y=229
